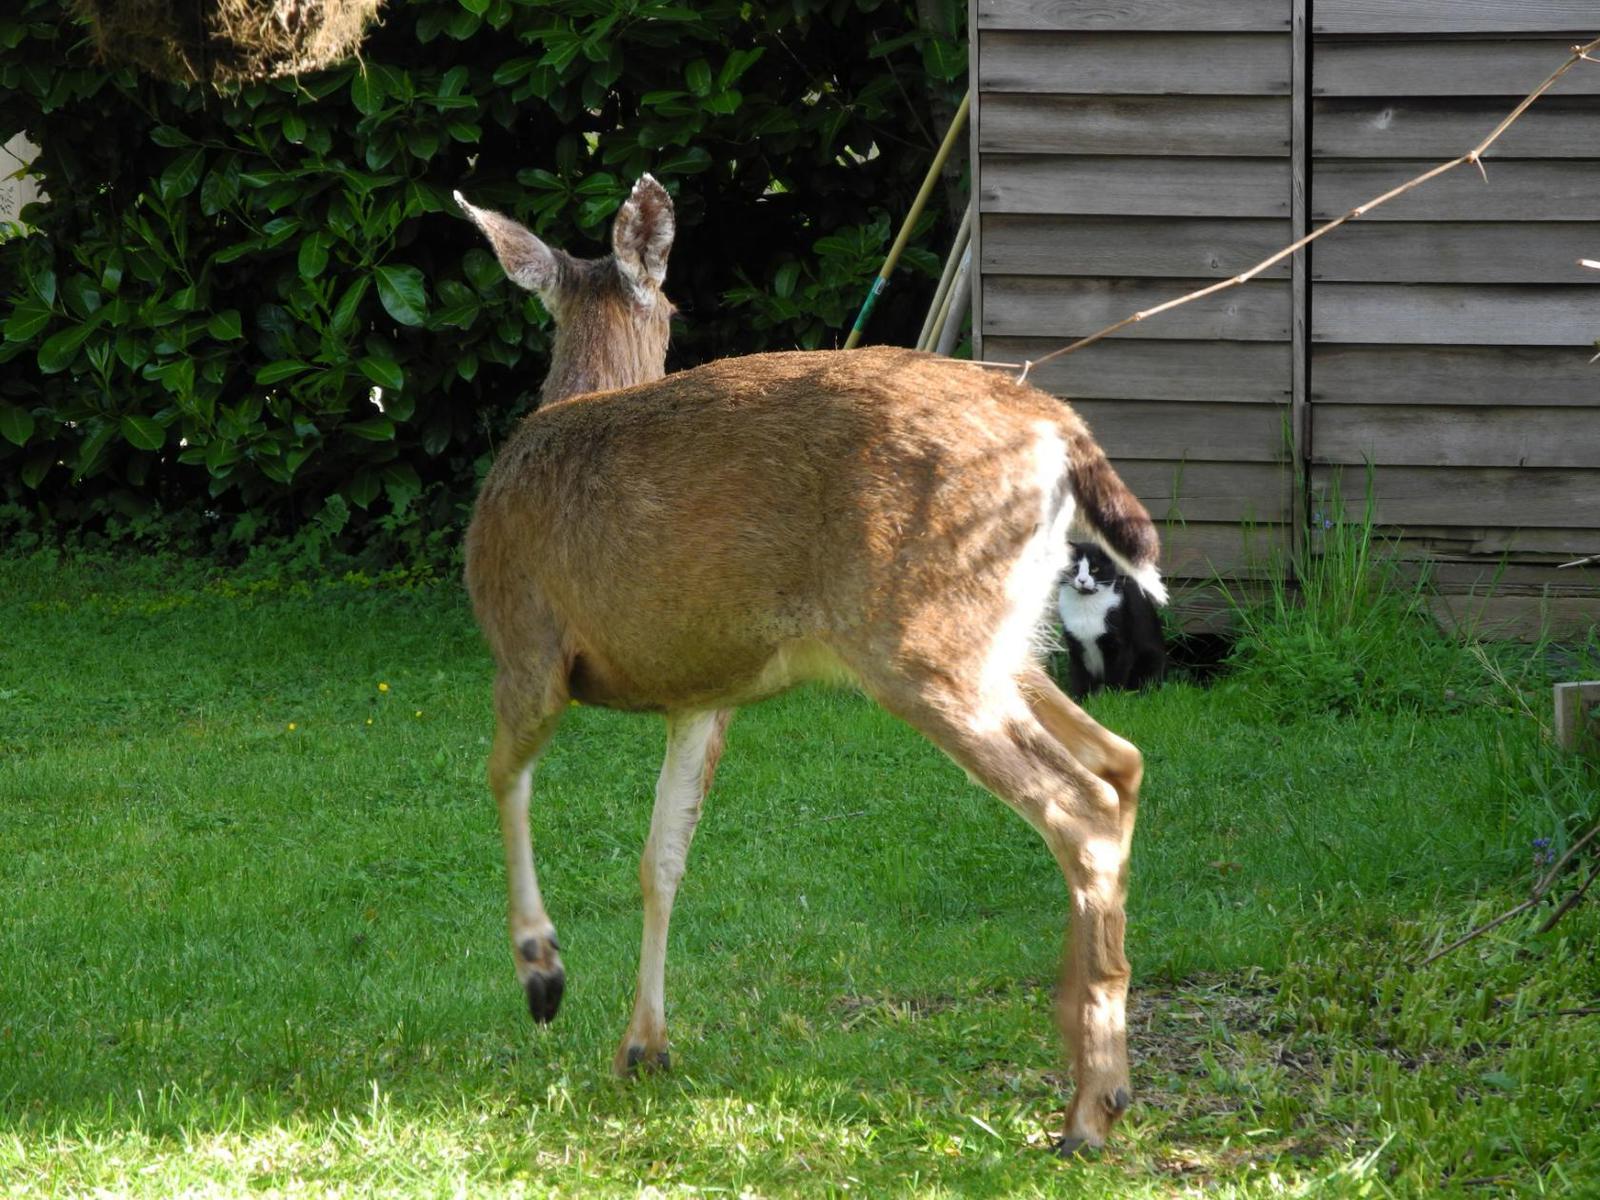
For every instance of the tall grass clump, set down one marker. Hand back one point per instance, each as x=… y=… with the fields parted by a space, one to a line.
x=1343 y=627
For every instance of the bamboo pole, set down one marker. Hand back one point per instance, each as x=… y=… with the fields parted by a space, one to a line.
x=881 y=283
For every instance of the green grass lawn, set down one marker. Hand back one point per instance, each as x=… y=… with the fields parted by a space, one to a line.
x=251 y=930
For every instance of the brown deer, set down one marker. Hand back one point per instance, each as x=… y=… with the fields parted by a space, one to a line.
x=880 y=517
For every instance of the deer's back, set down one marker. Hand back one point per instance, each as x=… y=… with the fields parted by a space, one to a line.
x=693 y=526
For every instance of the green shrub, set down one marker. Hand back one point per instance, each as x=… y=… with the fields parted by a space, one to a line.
x=218 y=283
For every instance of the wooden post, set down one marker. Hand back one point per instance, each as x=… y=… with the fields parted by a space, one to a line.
x=1578 y=717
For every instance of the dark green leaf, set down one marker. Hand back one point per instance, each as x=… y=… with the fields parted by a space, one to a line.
x=685 y=162
x=16 y=424
x=36 y=468
x=403 y=295
x=93 y=448
x=697 y=75
x=363 y=489
x=366 y=91
x=737 y=63
x=276 y=372
x=143 y=432
x=373 y=429
x=166 y=135
x=344 y=313
x=182 y=174
x=27 y=319
x=384 y=372
x=313 y=255
x=225 y=325
x=60 y=349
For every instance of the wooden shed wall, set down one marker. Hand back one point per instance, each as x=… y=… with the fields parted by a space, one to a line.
x=1126 y=152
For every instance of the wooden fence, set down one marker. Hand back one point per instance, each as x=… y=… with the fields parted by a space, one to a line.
x=1128 y=151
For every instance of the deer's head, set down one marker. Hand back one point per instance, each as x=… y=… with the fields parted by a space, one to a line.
x=612 y=318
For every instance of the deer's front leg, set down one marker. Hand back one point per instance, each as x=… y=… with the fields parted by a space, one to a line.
x=534 y=948
x=694 y=744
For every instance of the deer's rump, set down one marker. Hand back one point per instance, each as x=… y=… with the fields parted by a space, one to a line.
x=724 y=532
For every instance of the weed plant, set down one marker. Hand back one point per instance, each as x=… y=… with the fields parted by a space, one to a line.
x=1346 y=629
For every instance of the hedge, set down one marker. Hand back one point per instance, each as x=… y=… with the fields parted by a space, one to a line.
x=261 y=309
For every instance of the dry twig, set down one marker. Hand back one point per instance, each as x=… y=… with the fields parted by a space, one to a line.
x=1583 y=53
x=1539 y=890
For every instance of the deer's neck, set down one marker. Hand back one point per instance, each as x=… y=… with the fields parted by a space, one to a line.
x=604 y=356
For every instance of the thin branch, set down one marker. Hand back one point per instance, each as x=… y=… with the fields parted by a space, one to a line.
x=1583 y=53
x=1569 y=903
x=1579 y=562
x=1539 y=889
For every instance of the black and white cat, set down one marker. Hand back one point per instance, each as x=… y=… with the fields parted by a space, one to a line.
x=1111 y=629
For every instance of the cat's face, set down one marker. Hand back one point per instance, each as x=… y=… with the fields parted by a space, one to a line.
x=1090 y=569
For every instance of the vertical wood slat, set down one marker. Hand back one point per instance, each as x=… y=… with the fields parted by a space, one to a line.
x=1300 y=348
x=974 y=151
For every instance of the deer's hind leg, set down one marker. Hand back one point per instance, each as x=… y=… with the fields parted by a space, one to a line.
x=529 y=700
x=993 y=732
x=694 y=746
x=1112 y=758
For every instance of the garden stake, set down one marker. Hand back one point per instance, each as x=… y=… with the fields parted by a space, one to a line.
x=881 y=283
x=955 y=307
x=930 y=323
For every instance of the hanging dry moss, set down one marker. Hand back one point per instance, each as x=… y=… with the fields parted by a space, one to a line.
x=227 y=41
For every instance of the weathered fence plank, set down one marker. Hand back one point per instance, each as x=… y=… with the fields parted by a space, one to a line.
x=1187 y=432
x=1207 y=491
x=1510 y=375
x=1459 y=252
x=1432 y=66
x=1406 y=496
x=1046 y=306
x=1156 y=187
x=1158 y=247
x=1185 y=126
x=1209 y=16
x=1452 y=16
x=1465 y=314
x=1447 y=436
x=1124 y=64
x=1234 y=372
x=1517 y=190
x=1441 y=128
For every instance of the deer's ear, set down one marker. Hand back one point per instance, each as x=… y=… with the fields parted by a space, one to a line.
x=528 y=262
x=641 y=237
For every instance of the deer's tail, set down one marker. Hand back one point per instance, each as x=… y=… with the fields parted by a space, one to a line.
x=1114 y=515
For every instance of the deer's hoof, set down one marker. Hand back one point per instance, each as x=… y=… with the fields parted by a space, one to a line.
x=636 y=1059
x=1074 y=1147
x=543 y=980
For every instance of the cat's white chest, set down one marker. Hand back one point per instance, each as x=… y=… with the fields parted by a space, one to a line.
x=1084 y=617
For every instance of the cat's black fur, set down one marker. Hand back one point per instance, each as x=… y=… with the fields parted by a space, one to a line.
x=1110 y=628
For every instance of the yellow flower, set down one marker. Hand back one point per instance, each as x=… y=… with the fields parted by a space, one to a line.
x=369 y=720
x=383 y=687
x=291 y=726
x=419 y=712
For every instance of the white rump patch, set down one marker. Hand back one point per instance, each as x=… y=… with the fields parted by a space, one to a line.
x=1033 y=575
